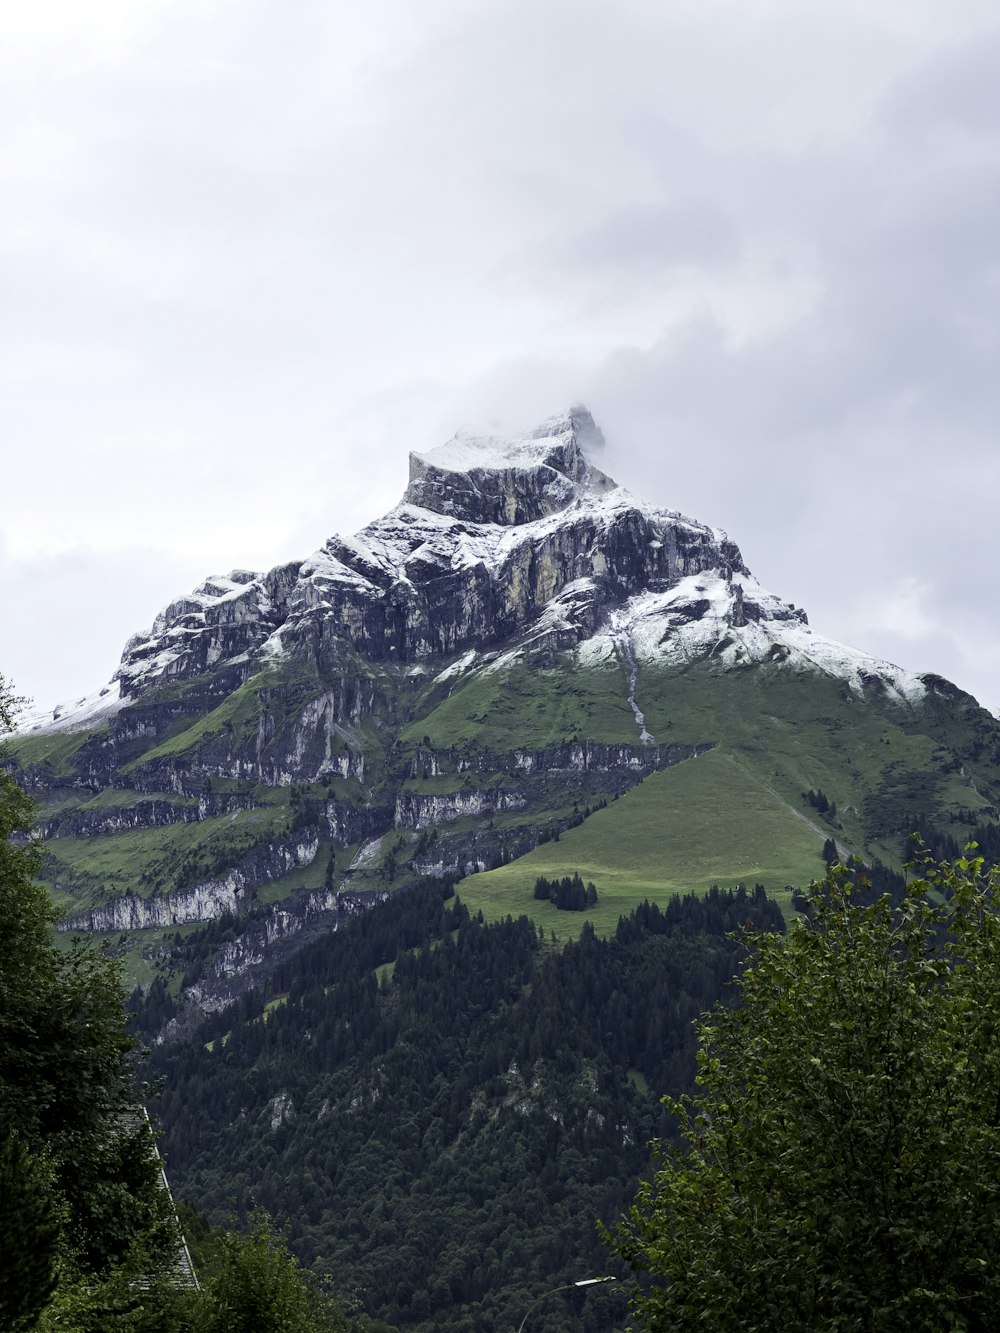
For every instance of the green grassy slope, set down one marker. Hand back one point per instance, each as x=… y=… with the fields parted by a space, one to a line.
x=797 y=730
x=526 y=707
x=54 y=753
x=802 y=730
x=739 y=812
x=709 y=820
x=84 y=871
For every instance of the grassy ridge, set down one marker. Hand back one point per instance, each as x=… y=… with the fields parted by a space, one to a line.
x=795 y=729
x=524 y=707
x=151 y=860
x=52 y=751
x=709 y=820
x=738 y=812
x=799 y=730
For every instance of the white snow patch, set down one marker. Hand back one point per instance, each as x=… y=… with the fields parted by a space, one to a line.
x=322 y=567
x=693 y=620
x=852 y=665
x=272 y=648
x=77 y=715
x=457 y=668
x=466 y=452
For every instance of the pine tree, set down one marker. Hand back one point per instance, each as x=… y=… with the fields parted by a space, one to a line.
x=66 y=1081
x=30 y=1229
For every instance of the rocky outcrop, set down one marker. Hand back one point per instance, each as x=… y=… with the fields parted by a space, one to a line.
x=485 y=847
x=486 y=481
x=255 y=945
x=89 y=822
x=269 y=936
x=223 y=619
x=574 y=757
x=347 y=823
x=202 y=902
x=416 y=810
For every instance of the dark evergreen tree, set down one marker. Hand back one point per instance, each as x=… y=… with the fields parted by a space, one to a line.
x=66 y=1081
x=30 y=1235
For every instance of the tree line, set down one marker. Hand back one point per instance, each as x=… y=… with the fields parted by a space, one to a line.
x=439 y=1107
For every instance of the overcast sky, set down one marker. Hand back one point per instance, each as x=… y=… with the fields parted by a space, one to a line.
x=253 y=252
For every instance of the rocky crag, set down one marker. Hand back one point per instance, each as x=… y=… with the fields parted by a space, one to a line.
x=516 y=645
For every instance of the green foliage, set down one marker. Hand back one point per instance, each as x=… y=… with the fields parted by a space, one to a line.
x=30 y=1230
x=258 y=1287
x=568 y=894
x=452 y=1132
x=138 y=1296
x=65 y=1083
x=843 y=1151
x=823 y=805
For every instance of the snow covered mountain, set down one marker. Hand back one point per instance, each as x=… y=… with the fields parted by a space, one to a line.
x=521 y=651
x=522 y=543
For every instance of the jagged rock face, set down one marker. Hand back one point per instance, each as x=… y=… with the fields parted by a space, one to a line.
x=223 y=619
x=266 y=938
x=488 y=534
x=481 y=480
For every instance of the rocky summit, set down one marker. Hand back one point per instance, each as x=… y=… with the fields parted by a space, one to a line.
x=520 y=668
x=493 y=539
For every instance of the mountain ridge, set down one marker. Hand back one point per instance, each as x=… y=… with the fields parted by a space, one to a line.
x=528 y=654
x=478 y=504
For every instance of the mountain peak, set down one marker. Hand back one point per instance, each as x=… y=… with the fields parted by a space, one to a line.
x=510 y=480
x=578 y=422
x=502 y=547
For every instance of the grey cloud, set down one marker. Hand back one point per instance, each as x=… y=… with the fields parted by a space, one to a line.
x=648 y=238
x=291 y=244
x=958 y=91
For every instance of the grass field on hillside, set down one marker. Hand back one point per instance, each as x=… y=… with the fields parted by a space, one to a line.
x=706 y=821
x=144 y=861
x=800 y=730
x=52 y=751
x=527 y=707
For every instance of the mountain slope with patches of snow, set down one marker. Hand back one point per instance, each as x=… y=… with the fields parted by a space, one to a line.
x=514 y=542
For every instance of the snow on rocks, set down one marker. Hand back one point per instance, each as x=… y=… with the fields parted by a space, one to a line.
x=737 y=623
x=523 y=544
x=76 y=715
